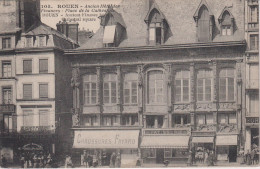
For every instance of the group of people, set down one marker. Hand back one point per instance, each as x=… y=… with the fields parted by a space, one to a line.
x=248 y=158
x=36 y=160
x=204 y=157
x=115 y=160
x=90 y=160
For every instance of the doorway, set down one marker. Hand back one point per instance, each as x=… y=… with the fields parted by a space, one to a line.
x=232 y=153
x=159 y=156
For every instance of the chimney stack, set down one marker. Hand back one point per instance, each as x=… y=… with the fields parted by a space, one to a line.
x=69 y=29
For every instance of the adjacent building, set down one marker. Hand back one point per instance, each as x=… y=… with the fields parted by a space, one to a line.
x=161 y=78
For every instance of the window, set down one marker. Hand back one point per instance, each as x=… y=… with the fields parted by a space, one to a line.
x=8 y=123
x=43 y=66
x=7 y=95
x=229 y=118
x=6 y=69
x=109 y=35
x=27 y=66
x=111 y=120
x=90 y=120
x=6 y=2
x=167 y=153
x=149 y=153
x=44 y=117
x=27 y=91
x=29 y=41
x=110 y=89
x=253 y=15
x=226 y=24
x=227 y=84
x=42 y=41
x=130 y=88
x=254 y=42
x=180 y=120
x=182 y=86
x=155 y=87
x=203 y=24
x=90 y=89
x=28 y=118
x=202 y=119
x=130 y=120
x=154 y=121
x=204 y=78
x=155 y=27
x=43 y=90
x=254 y=104
x=6 y=43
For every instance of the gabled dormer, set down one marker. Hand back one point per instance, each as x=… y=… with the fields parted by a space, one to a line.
x=205 y=22
x=157 y=26
x=114 y=28
x=226 y=21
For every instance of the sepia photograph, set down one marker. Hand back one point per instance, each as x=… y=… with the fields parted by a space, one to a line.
x=129 y=83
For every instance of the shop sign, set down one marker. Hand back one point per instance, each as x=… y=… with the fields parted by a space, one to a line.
x=164 y=132
x=252 y=120
x=106 y=139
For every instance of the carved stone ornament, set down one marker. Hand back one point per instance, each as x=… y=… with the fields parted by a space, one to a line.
x=183 y=107
x=75 y=118
x=227 y=128
x=140 y=75
x=227 y=106
x=75 y=80
x=204 y=106
x=167 y=68
x=205 y=127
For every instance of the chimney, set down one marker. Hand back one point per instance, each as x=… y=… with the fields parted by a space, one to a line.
x=69 y=29
x=29 y=13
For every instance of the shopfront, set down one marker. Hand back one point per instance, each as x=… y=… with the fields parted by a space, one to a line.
x=103 y=143
x=226 y=148
x=201 y=146
x=157 y=149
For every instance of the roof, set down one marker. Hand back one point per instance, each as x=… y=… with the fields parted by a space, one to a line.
x=179 y=15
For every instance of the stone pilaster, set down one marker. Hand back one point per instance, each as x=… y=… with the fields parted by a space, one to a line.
x=75 y=83
x=168 y=81
x=215 y=84
x=140 y=93
x=192 y=87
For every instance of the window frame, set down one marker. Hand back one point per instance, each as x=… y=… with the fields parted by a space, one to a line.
x=204 y=79
x=252 y=16
x=163 y=94
x=155 y=26
x=227 y=118
x=6 y=42
x=9 y=126
x=41 y=96
x=29 y=41
x=90 y=90
x=30 y=112
x=110 y=81
x=31 y=90
x=9 y=89
x=227 y=85
x=42 y=41
x=254 y=47
x=9 y=68
x=131 y=95
x=205 y=118
x=182 y=78
x=46 y=111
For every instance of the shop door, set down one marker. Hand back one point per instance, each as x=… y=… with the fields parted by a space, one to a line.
x=159 y=156
x=232 y=153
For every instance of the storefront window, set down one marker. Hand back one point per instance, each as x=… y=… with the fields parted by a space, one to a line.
x=130 y=120
x=222 y=153
x=167 y=153
x=111 y=120
x=179 y=152
x=154 y=121
x=150 y=153
x=155 y=87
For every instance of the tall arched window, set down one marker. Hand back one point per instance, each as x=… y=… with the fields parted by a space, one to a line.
x=204 y=85
x=203 y=24
x=110 y=88
x=90 y=89
x=227 y=84
x=182 y=86
x=155 y=87
x=155 y=27
x=130 y=88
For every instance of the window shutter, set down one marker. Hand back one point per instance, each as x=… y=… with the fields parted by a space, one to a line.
x=43 y=90
x=44 y=118
x=27 y=66
x=43 y=64
x=27 y=91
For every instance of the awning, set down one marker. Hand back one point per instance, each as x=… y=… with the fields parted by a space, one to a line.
x=202 y=139
x=226 y=140
x=106 y=139
x=109 y=34
x=165 y=142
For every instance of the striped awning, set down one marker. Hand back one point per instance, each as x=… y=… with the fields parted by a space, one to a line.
x=165 y=142
x=202 y=139
x=227 y=140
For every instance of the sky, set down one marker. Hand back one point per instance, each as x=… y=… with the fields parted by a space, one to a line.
x=85 y=12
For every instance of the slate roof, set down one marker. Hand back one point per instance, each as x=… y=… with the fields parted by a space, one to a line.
x=179 y=15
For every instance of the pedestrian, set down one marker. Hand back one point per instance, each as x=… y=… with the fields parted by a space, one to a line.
x=193 y=155
x=22 y=161
x=4 y=162
x=85 y=158
x=118 y=160
x=248 y=158
x=68 y=162
x=211 y=159
x=241 y=155
x=112 y=160
x=95 y=160
x=90 y=160
x=252 y=154
x=48 y=161
x=206 y=155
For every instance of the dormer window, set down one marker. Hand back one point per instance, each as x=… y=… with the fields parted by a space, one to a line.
x=157 y=26
x=29 y=41
x=6 y=43
x=109 y=35
x=226 y=21
x=204 y=22
x=42 y=41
